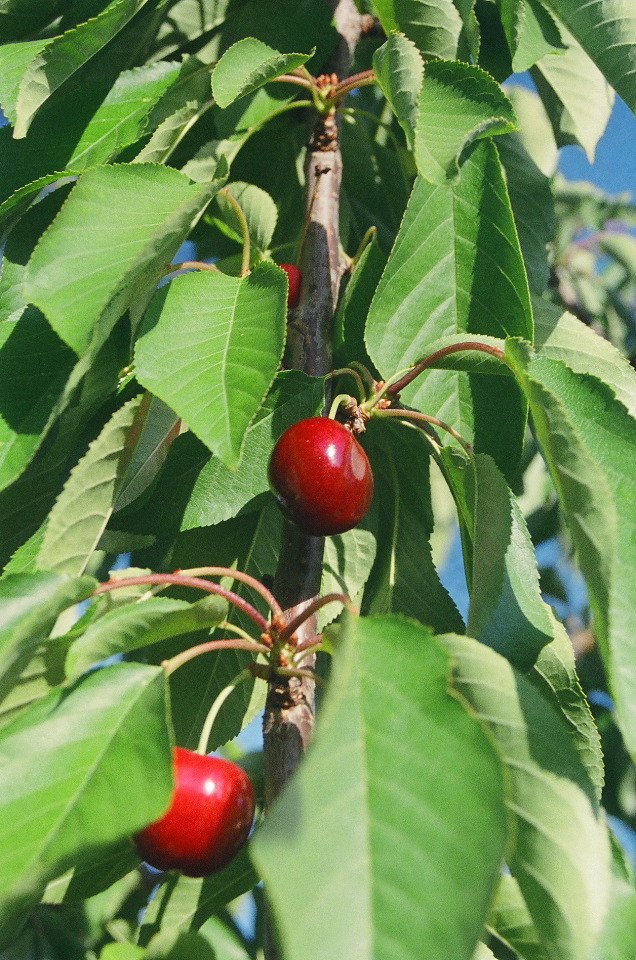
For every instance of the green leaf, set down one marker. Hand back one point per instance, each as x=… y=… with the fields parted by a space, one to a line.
x=399 y=72
x=532 y=201
x=248 y=65
x=57 y=59
x=347 y=563
x=535 y=131
x=577 y=98
x=436 y=28
x=210 y=348
x=353 y=306
x=441 y=278
x=458 y=104
x=185 y=903
x=588 y=439
x=29 y=607
x=104 y=738
x=125 y=114
x=84 y=507
x=404 y=579
x=561 y=853
x=139 y=624
x=506 y=608
x=617 y=940
x=606 y=29
x=560 y=335
x=170 y=944
x=89 y=267
x=34 y=367
x=381 y=805
x=531 y=32
x=157 y=427
x=218 y=493
x=554 y=674
x=20 y=18
x=511 y=920
x=259 y=210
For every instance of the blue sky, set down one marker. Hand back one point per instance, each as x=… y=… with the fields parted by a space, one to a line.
x=614 y=168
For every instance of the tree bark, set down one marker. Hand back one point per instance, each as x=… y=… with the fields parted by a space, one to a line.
x=289 y=711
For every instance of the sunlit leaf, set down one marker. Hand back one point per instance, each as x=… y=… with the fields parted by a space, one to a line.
x=210 y=348
x=374 y=782
x=248 y=65
x=104 y=740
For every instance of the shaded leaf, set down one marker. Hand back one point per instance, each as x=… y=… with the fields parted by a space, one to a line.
x=59 y=58
x=404 y=579
x=29 y=607
x=83 y=509
x=185 y=903
x=506 y=608
x=218 y=493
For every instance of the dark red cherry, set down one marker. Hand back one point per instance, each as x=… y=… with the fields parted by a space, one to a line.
x=209 y=818
x=321 y=476
x=294 y=276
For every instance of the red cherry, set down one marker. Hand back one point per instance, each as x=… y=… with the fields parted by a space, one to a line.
x=294 y=276
x=321 y=476
x=209 y=818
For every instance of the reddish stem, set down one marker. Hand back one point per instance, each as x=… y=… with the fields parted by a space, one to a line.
x=294 y=78
x=361 y=79
x=182 y=581
x=246 y=578
x=431 y=360
x=228 y=644
x=310 y=609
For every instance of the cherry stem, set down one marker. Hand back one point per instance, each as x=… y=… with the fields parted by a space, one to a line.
x=185 y=581
x=342 y=398
x=208 y=646
x=294 y=78
x=366 y=374
x=435 y=421
x=310 y=609
x=251 y=581
x=343 y=371
x=213 y=713
x=398 y=385
x=362 y=79
x=245 y=231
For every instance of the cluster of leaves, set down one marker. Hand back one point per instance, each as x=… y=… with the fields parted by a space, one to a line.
x=137 y=417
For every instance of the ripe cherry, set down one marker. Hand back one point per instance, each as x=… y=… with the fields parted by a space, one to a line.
x=209 y=818
x=294 y=277
x=321 y=476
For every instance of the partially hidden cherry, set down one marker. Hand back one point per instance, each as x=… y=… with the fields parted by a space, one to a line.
x=294 y=277
x=321 y=476
x=209 y=818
